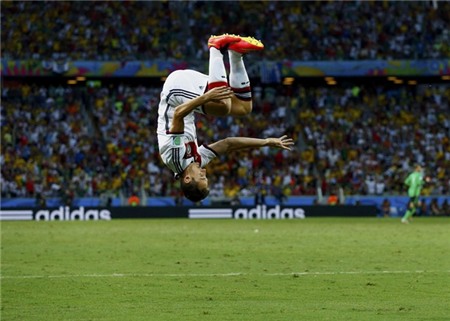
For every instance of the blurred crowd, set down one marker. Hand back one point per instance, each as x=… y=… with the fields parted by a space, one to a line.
x=100 y=140
x=80 y=142
x=292 y=30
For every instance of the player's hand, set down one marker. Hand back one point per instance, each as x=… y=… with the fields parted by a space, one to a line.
x=218 y=94
x=427 y=179
x=283 y=142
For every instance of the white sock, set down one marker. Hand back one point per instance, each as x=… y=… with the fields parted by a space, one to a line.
x=217 y=71
x=239 y=81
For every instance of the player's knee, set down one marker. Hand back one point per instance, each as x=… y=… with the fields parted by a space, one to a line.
x=241 y=108
x=247 y=107
x=227 y=106
x=221 y=108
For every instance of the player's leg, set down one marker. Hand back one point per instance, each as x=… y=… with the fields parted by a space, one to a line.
x=239 y=80
x=217 y=72
x=241 y=103
x=411 y=210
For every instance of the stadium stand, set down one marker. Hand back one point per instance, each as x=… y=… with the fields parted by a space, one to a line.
x=107 y=142
x=134 y=30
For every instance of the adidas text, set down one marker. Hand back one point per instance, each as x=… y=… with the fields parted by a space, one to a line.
x=65 y=214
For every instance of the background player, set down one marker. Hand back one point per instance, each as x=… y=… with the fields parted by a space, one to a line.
x=414 y=181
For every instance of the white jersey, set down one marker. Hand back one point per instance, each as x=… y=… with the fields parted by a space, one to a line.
x=178 y=150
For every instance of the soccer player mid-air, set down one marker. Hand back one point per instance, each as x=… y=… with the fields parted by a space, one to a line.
x=186 y=92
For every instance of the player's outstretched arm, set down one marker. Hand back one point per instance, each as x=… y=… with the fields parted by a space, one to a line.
x=213 y=95
x=237 y=143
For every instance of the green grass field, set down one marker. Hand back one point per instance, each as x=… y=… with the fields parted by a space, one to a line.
x=179 y=269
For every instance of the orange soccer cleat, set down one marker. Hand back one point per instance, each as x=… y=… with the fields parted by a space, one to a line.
x=246 y=45
x=222 y=41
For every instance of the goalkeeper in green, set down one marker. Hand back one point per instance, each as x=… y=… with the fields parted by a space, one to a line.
x=414 y=181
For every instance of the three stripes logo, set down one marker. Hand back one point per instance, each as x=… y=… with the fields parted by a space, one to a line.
x=210 y=213
x=16 y=215
x=259 y=212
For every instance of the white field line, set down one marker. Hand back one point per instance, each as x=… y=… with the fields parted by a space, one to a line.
x=233 y=274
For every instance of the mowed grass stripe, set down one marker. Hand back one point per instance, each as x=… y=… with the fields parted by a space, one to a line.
x=231 y=274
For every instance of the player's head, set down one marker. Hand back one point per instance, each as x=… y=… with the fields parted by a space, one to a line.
x=418 y=167
x=194 y=183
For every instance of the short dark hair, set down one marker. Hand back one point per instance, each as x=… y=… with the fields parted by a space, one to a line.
x=192 y=192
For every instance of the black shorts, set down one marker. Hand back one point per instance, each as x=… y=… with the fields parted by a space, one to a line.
x=414 y=201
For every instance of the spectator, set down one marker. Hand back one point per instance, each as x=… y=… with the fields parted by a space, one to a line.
x=435 y=210
x=422 y=209
x=260 y=194
x=445 y=209
x=386 y=208
x=134 y=200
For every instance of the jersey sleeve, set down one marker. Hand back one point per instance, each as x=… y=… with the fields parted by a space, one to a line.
x=178 y=100
x=207 y=155
x=174 y=100
x=173 y=156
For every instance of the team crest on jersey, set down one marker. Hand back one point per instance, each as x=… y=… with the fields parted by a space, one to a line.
x=176 y=141
x=191 y=151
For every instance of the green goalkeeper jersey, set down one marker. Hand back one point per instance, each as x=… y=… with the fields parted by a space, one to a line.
x=414 y=181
